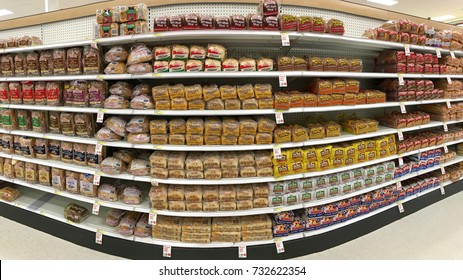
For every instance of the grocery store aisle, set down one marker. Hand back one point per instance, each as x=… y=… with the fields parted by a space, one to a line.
x=432 y=233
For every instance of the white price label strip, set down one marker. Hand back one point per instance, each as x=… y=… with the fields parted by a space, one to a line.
x=401 y=80
x=166 y=251
x=401 y=161
x=279 y=117
x=399 y=185
x=283 y=81
x=152 y=218
x=401 y=207
x=96 y=179
x=242 y=252
x=452 y=54
x=446 y=127
x=98 y=148
x=400 y=134
x=442 y=190
x=442 y=170
x=449 y=105
x=277 y=152
x=449 y=80
x=99 y=237
x=96 y=208
x=154 y=183
x=446 y=149
x=285 y=40
x=403 y=110
x=279 y=246
x=99 y=117
x=407 y=49
x=439 y=55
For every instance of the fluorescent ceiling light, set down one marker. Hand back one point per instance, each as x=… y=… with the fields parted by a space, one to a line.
x=443 y=18
x=384 y=2
x=5 y=12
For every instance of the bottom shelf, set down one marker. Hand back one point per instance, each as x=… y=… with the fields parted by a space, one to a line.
x=49 y=208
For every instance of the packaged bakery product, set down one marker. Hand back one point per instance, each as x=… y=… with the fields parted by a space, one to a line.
x=194 y=125
x=67 y=151
x=54 y=93
x=7 y=65
x=59 y=62
x=32 y=62
x=31 y=174
x=299 y=133
x=108 y=192
x=215 y=104
x=46 y=63
x=9 y=119
x=335 y=26
x=8 y=170
x=44 y=174
x=228 y=92
x=54 y=148
x=114 y=217
x=24 y=119
x=80 y=154
x=115 y=68
x=41 y=148
x=139 y=68
x=93 y=159
x=20 y=65
x=193 y=65
x=212 y=140
x=138 y=138
x=4 y=93
x=230 y=65
x=232 y=104
x=250 y=104
x=162 y=53
x=112 y=165
x=271 y=23
x=158 y=126
x=127 y=225
x=96 y=93
x=116 y=102
x=138 y=124
x=263 y=91
x=72 y=182
x=180 y=52
x=117 y=125
x=131 y=195
x=87 y=188
x=194 y=139
x=27 y=92
x=211 y=160
x=142 y=102
x=91 y=61
x=141 y=89
x=75 y=213
x=27 y=145
x=139 y=167
x=175 y=23
x=123 y=89
x=247 y=64
x=263 y=159
x=212 y=65
x=177 y=66
x=176 y=160
x=193 y=92
x=125 y=155
x=194 y=162
x=39 y=121
x=229 y=160
x=177 y=126
x=213 y=174
x=74 y=61
x=142 y=228
x=15 y=89
x=230 y=127
x=19 y=170
x=67 y=123
x=139 y=53
x=106 y=134
x=216 y=51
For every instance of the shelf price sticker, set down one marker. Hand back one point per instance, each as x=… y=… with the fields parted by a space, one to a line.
x=401 y=161
x=99 y=237
x=94 y=44
x=279 y=118
x=452 y=55
x=100 y=116
x=449 y=80
x=242 y=252
x=285 y=40
x=279 y=246
x=442 y=170
x=152 y=218
x=399 y=185
x=96 y=208
x=446 y=149
x=442 y=190
x=401 y=207
x=277 y=152
x=449 y=105
x=283 y=81
x=400 y=134
x=407 y=49
x=154 y=182
x=446 y=127
x=438 y=53
x=166 y=251
x=99 y=148
x=278 y=210
x=96 y=179
x=401 y=79
x=403 y=109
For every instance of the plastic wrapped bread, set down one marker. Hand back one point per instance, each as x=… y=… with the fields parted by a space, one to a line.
x=127 y=225
x=75 y=213
x=131 y=195
x=72 y=182
x=117 y=125
x=87 y=187
x=113 y=165
x=176 y=193
x=114 y=217
x=44 y=174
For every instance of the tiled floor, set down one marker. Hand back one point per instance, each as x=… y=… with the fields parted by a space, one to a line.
x=432 y=233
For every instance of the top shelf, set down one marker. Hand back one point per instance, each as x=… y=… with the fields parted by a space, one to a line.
x=242 y=38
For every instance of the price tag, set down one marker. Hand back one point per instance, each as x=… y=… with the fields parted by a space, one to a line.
x=166 y=251
x=401 y=207
x=442 y=190
x=446 y=127
x=449 y=80
x=157 y=75
x=401 y=80
x=401 y=161
x=100 y=77
x=403 y=110
x=446 y=149
x=442 y=170
x=280 y=247
x=242 y=252
x=96 y=208
x=277 y=210
x=452 y=54
x=94 y=45
x=99 y=237
x=449 y=105
x=279 y=117
x=399 y=185
x=400 y=134
x=154 y=183
x=99 y=117
x=285 y=40
x=152 y=218
x=283 y=81
x=98 y=148
x=277 y=152
x=439 y=55
x=407 y=49
x=96 y=179
x=57 y=192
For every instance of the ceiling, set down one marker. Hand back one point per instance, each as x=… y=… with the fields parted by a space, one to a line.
x=422 y=8
x=22 y=8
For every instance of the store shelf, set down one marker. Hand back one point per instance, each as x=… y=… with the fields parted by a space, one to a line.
x=46 y=47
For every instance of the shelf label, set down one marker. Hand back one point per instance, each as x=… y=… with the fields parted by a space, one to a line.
x=277 y=152
x=242 y=252
x=401 y=207
x=449 y=80
x=157 y=75
x=100 y=117
x=279 y=246
x=99 y=148
x=401 y=80
x=439 y=55
x=283 y=81
x=93 y=44
x=279 y=117
x=166 y=251
x=452 y=55
x=57 y=192
x=403 y=110
x=96 y=179
x=99 y=237
x=96 y=208
x=401 y=161
x=446 y=127
x=285 y=40
x=399 y=185
x=442 y=190
x=446 y=149
x=449 y=105
x=400 y=134
x=442 y=170
x=152 y=218
x=100 y=77
x=154 y=183
x=407 y=49
x=277 y=210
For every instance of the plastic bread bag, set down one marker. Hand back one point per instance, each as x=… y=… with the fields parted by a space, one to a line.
x=39 y=93
x=54 y=124
x=113 y=165
x=230 y=65
x=115 y=68
x=27 y=145
x=139 y=68
x=9 y=119
x=87 y=188
x=116 y=54
x=158 y=126
x=177 y=66
x=20 y=65
x=15 y=89
x=91 y=60
x=96 y=93
x=19 y=170
x=216 y=51
x=54 y=148
x=139 y=138
x=54 y=93
x=162 y=53
x=4 y=93
x=125 y=155
x=131 y=195
x=39 y=121
x=159 y=159
x=24 y=119
x=142 y=102
x=72 y=182
x=44 y=175
x=32 y=61
x=139 y=167
x=123 y=89
x=74 y=61
x=114 y=217
x=116 y=102
x=141 y=89
x=46 y=63
x=143 y=228
x=176 y=160
x=80 y=154
x=67 y=124
x=108 y=192
x=127 y=225
x=67 y=152
x=138 y=124
x=106 y=134
x=7 y=65
x=9 y=193
x=180 y=52
x=75 y=213
x=84 y=125
x=117 y=125
x=8 y=170
x=59 y=62
x=139 y=53
x=58 y=179
x=27 y=93
x=41 y=148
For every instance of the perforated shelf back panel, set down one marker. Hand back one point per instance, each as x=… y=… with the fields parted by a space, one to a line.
x=35 y=30
x=71 y=30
